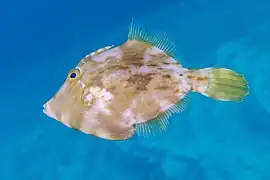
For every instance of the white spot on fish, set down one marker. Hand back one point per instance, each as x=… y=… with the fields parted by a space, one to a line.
x=184 y=86
x=95 y=90
x=144 y=69
x=133 y=103
x=147 y=58
x=102 y=106
x=107 y=96
x=114 y=75
x=154 y=51
x=101 y=93
x=127 y=113
x=170 y=67
x=138 y=117
x=89 y=99
x=128 y=117
x=172 y=60
x=201 y=88
x=100 y=50
x=82 y=84
x=101 y=57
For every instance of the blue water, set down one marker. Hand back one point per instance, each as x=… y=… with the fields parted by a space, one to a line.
x=41 y=40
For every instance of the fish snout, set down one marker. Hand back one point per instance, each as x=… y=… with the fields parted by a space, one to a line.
x=47 y=109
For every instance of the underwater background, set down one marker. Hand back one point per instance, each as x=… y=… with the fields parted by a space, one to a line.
x=41 y=40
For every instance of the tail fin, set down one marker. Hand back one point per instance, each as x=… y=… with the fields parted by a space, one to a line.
x=219 y=83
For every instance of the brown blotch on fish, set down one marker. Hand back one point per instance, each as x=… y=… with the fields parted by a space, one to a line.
x=152 y=65
x=135 y=44
x=97 y=81
x=133 y=53
x=166 y=76
x=162 y=87
x=141 y=81
x=116 y=67
x=132 y=58
x=111 y=59
x=160 y=57
x=177 y=90
x=202 y=78
x=166 y=63
x=191 y=77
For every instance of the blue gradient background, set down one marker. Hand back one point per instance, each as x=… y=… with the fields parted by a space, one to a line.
x=41 y=40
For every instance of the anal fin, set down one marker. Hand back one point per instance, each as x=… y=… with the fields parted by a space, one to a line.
x=161 y=122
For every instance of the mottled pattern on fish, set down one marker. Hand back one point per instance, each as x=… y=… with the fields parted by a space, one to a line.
x=134 y=86
x=136 y=83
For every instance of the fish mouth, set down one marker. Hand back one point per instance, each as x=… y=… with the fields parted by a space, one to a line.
x=48 y=111
x=45 y=110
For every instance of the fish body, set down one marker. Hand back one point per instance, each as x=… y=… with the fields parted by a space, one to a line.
x=135 y=87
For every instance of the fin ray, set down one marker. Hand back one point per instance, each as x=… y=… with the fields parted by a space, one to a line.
x=159 y=40
x=161 y=122
x=224 y=84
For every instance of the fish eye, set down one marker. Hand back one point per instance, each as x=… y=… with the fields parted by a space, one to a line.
x=73 y=75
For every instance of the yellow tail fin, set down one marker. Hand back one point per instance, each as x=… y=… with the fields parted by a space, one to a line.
x=220 y=83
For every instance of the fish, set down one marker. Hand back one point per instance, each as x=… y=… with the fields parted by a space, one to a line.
x=133 y=88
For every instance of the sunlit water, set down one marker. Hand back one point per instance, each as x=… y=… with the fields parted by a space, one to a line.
x=211 y=140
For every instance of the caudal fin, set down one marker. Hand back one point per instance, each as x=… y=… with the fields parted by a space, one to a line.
x=220 y=83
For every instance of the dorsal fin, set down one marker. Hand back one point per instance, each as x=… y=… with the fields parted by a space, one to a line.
x=160 y=40
x=161 y=122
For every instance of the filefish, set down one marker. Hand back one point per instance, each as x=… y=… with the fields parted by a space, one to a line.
x=134 y=88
